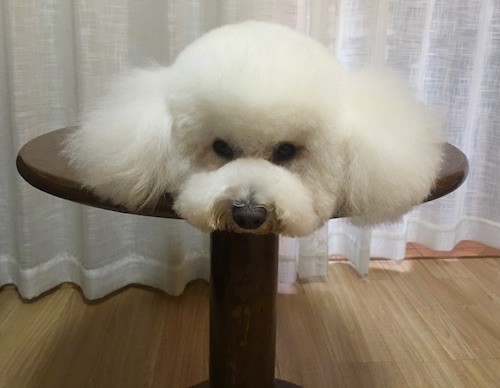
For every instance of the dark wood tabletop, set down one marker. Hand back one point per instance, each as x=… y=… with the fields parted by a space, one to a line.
x=40 y=163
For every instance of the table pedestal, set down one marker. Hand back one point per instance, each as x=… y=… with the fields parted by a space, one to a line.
x=243 y=285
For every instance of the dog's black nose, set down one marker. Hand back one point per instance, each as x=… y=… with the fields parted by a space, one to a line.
x=249 y=217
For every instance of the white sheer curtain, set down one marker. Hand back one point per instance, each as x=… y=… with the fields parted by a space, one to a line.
x=54 y=53
x=450 y=53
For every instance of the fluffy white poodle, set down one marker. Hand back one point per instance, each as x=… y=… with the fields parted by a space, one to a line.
x=256 y=128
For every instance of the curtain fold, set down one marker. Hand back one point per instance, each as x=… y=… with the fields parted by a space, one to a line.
x=54 y=55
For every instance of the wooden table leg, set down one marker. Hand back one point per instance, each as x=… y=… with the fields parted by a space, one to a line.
x=243 y=311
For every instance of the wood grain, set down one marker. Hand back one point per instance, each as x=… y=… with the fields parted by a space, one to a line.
x=411 y=323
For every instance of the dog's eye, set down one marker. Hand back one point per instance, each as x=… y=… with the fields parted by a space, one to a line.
x=222 y=149
x=284 y=152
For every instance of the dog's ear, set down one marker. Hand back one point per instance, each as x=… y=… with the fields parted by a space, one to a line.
x=393 y=148
x=120 y=150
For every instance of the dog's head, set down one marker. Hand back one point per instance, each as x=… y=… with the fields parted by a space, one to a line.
x=257 y=129
x=256 y=170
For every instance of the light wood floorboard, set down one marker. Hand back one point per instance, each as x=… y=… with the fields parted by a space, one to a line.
x=415 y=323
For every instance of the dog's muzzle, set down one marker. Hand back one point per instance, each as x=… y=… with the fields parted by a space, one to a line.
x=249 y=216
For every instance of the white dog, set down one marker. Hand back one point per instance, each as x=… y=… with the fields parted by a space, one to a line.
x=256 y=128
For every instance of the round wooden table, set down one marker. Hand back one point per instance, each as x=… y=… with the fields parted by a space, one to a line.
x=243 y=266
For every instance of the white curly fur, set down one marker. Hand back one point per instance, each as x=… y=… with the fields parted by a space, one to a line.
x=367 y=148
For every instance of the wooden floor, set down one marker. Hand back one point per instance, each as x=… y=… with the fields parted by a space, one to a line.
x=418 y=323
